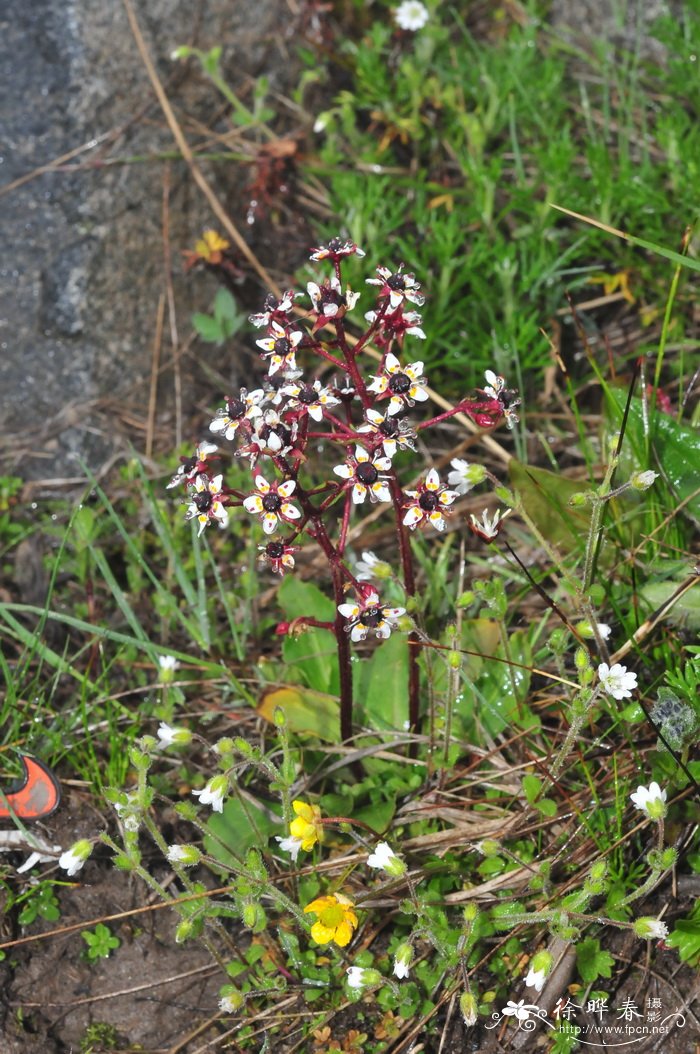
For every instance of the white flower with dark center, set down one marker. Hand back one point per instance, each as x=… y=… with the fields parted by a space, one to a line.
x=336 y=250
x=191 y=467
x=616 y=681
x=488 y=527
x=278 y=555
x=272 y=435
x=270 y=503
x=429 y=503
x=329 y=300
x=214 y=793
x=651 y=800
x=464 y=476
x=273 y=308
x=507 y=398
x=355 y=977
x=207 y=502
x=73 y=860
x=280 y=347
x=363 y=471
x=394 y=433
x=313 y=398
x=367 y=615
x=397 y=286
x=405 y=384
x=238 y=409
x=411 y=15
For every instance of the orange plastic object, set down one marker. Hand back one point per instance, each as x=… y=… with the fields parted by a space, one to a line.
x=38 y=795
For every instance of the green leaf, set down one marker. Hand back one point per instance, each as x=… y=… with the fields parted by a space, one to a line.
x=208 y=328
x=225 y=307
x=307 y=711
x=531 y=787
x=313 y=654
x=545 y=496
x=385 y=686
x=243 y=825
x=592 y=962
x=675 y=448
x=685 y=936
x=685 y=611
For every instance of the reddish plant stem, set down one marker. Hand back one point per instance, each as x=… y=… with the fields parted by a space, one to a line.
x=409 y=582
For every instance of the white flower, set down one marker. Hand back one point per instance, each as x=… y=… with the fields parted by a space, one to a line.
x=428 y=503
x=364 y=471
x=385 y=859
x=169 y=735
x=290 y=845
x=168 y=662
x=369 y=615
x=74 y=858
x=214 y=793
x=650 y=929
x=616 y=681
x=465 y=476
x=280 y=347
x=411 y=15
x=651 y=800
x=405 y=384
x=488 y=526
x=402 y=960
x=370 y=566
x=270 y=503
x=356 y=977
x=207 y=503
x=245 y=407
x=312 y=397
x=539 y=969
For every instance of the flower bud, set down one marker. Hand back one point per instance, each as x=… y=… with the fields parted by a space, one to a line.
x=488 y=847
x=279 y=717
x=224 y=746
x=469 y=1008
x=643 y=480
x=650 y=929
x=231 y=999
x=184 y=855
x=465 y=599
x=359 y=977
x=470 y=912
x=454 y=660
x=184 y=931
x=581 y=660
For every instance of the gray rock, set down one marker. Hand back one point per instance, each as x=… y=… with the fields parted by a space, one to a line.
x=82 y=267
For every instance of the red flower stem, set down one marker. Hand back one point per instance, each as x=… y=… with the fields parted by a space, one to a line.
x=351 y=366
x=464 y=407
x=319 y=349
x=409 y=581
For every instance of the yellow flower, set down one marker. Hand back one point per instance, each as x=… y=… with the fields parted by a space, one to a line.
x=210 y=246
x=307 y=827
x=336 y=919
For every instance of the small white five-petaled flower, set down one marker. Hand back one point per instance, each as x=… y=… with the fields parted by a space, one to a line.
x=403 y=957
x=214 y=793
x=73 y=859
x=651 y=800
x=169 y=735
x=650 y=929
x=464 y=476
x=616 y=681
